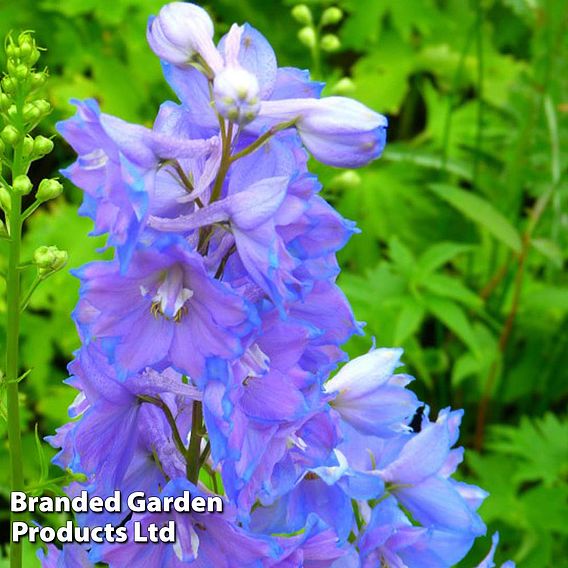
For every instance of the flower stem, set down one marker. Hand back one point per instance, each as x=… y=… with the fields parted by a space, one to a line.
x=194 y=450
x=12 y=351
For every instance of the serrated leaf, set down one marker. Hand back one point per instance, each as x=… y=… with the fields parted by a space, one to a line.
x=480 y=211
x=527 y=442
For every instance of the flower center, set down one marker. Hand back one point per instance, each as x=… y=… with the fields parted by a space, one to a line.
x=171 y=295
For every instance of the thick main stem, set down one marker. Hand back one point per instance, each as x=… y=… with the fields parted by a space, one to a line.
x=12 y=359
x=194 y=450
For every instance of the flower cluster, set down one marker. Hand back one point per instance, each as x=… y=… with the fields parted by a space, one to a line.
x=209 y=340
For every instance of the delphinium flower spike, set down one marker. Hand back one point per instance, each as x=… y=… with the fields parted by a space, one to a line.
x=210 y=339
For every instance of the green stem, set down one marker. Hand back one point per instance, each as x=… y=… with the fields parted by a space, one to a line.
x=26 y=300
x=156 y=401
x=31 y=209
x=224 y=165
x=12 y=352
x=262 y=139
x=194 y=450
x=480 y=75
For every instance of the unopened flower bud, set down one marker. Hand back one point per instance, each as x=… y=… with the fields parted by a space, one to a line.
x=26 y=49
x=346 y=180
x=11 y=66
x=182 y=31
x=331 y=16
x=12 y=112
x=22 y=71
x=30 y=113
x=43 y=106
x=22 y=185
x=5 y=102
x=338 y=131
x=330 y=42
x=42 y=146
x=37 y=80
x=302 y=14
x=49 y=259
x=5 y=199
x=10 y=135
x=345 y=86
x=236 y=93
x=307 y=36
x=27 y=146
x=12 y=51
x=9 y=85
x=48 y=189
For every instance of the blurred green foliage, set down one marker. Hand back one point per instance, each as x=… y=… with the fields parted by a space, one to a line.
x=463 y=252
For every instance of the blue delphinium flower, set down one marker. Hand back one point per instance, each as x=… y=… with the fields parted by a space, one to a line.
x=210 y=338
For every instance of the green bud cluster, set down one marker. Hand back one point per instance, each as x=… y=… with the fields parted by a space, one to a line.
x=22 y=107
x=309 y=34
x=49 y=259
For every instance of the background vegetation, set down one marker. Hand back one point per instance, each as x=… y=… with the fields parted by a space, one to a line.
x=463 y=252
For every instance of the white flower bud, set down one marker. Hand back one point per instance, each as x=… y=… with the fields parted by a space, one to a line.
x=236 y=93
x=182 y=31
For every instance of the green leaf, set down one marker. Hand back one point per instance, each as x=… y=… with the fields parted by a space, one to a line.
x=449 y=287
x=464 y=367
x=454 y=318
x=42 y=459
x=409 y=321
x=480 y=211
x=527 y=442
x=550 y=250
x=438 y=255
x=402 y=256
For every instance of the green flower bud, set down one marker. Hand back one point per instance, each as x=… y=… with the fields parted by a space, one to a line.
x=22 y=72
x=344 y=87
x=27 y=45
x=43 y=106
x=48 y=189
x=37 y=80
x=32 y=59
x=10 y=135
x=49 y=259
x=31 y=112
x=5 y=102
x=330 y=42
x=307 y=36
x=11 y=65
x=27 y=146
x=26 y=50
x=347 y=180
x=22 y=184
x=12 y=112
x=331 y=16
x=42 y=146
x=5 y=199
x=12 y=51
x=9 y=85
x=302 y=14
